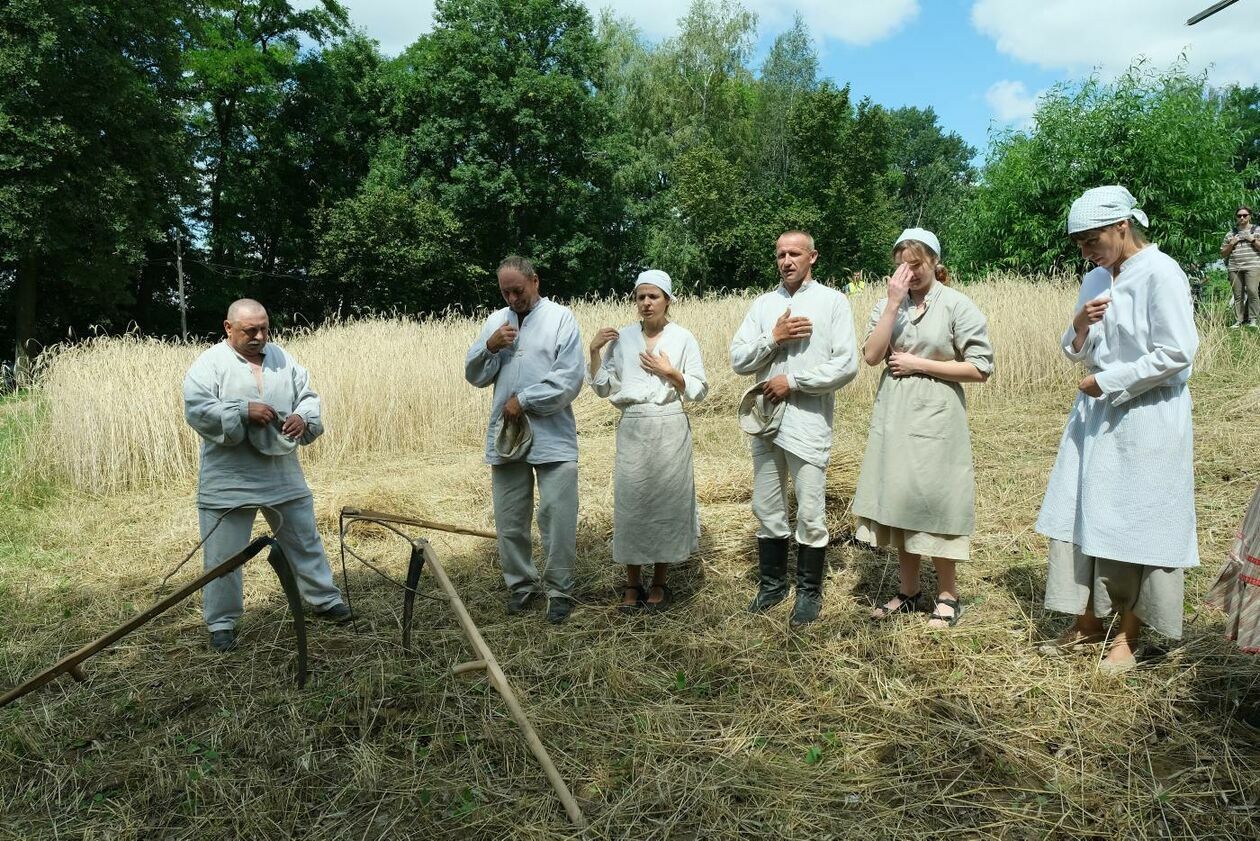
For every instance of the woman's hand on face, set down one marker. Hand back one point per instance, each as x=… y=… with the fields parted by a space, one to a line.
x=658 y=364
x=1092 y=312
x=903 y=364
x=603 y=337
x=899 y=284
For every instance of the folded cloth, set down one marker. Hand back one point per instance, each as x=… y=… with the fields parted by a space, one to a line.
x=268 y=440
x=758 y=414
x=512 y=439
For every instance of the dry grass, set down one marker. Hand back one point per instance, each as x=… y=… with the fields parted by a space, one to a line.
x=705 y=722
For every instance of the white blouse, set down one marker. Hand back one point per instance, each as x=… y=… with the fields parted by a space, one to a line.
x=622 y=379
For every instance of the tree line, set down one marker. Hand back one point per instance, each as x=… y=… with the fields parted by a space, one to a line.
x=263 y=149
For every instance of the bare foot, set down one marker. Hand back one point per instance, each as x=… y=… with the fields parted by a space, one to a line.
x=940 y=617
x=1120 y=652
x=892 y=607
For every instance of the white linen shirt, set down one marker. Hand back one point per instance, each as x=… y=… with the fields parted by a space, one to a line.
x=543 y=368
x=218 y=389
x=1147 y=337
x=815 y=366
x=621 y=377
x=1122 y=486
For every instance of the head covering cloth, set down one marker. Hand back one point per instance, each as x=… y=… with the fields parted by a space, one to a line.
x=656 y=278
x=1103 y=206
x=922 y=235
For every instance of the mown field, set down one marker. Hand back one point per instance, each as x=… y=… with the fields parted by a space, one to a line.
x=705 y=722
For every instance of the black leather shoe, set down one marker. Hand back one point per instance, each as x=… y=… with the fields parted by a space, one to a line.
x=337 y=614
x=519 y=601
x=772 y=586
x=558 y=610
x=811 y=561
x=223 y=641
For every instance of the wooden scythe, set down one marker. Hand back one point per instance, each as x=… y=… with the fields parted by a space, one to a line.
x=422 y=555
x=72 y=664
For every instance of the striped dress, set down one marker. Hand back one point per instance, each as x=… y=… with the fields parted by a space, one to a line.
x=1237 y=588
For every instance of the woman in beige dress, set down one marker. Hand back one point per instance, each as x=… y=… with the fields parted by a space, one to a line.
x=916 y=491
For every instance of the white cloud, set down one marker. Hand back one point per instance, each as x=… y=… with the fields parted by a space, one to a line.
x=1011 y=102
x=858 y=22
x=397 y=23
x=1078 y=35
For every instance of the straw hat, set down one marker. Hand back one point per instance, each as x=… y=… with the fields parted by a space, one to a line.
x=758 y=414
x=513 y=438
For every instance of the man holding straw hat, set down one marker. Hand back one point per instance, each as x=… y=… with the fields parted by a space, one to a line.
x=531 y=352
x=798 y=342
x=253 y=405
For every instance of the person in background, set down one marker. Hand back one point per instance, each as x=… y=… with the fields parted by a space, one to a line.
x=649 y=370
x=798 y=342
x=1119 y=507
x=916 y=491
x=531 y=353
x=252 y=405
x=1241 y=252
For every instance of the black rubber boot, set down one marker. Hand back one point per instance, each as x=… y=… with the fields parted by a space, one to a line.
x=811 y=561
x=772 y=568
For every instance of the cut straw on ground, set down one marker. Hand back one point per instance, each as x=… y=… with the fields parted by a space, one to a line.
x=704 y=722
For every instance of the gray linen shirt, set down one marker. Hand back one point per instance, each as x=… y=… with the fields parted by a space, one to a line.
x=217 y=392
x=543 y=368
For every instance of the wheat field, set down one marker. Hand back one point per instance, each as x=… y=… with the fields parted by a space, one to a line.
x=702 y=722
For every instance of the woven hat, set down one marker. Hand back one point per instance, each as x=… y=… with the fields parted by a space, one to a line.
x=758 y=414
x=268 y=440
x=512 y=439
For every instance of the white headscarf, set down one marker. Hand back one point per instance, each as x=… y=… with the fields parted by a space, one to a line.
x=1103 y=206
x=920 y=235
x=657 y=278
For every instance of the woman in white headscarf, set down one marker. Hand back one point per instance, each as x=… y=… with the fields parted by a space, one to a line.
x=1119 y=509
x=648 y=370
x=916 y=492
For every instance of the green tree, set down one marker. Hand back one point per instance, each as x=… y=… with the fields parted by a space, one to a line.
x=789 y=72
x=504 y=127
x=842 y=170
x=1156 y=132
x=246 y=53
x=92 y=156
x=1243 y=104
x=931 y=168
x=391 y=245
x=312 y=151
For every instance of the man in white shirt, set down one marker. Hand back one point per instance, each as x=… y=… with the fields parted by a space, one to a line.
x=252 y=405
x=799 y=341
x=531 y=352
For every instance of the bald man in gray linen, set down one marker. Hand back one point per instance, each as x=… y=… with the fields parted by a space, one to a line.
x=252 y=406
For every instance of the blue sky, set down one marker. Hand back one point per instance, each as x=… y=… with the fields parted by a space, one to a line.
x=979 y=63
x=939 y=59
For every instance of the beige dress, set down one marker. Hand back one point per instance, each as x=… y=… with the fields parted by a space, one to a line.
x=916 y=490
